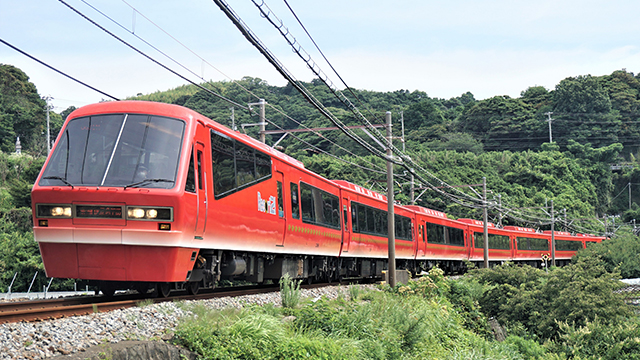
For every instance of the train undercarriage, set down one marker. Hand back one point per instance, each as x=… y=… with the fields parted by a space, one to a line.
x=213 y=266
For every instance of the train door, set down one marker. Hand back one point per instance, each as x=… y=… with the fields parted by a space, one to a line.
x=282 y=219
x=201 y=188
x=421 y=248
x=346 y=228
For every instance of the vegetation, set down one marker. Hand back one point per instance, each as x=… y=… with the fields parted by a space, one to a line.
x=568 y=313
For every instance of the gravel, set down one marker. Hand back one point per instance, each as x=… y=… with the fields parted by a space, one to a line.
x=38 y=340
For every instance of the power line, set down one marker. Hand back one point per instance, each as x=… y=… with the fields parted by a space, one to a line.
x=58 y=71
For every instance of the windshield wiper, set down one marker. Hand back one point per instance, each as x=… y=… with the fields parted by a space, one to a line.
x=146 y=181
x=58 y=178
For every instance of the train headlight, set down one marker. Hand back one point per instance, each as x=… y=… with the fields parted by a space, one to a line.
x=152 y=213
x=53 y=211
x=149 y=213
x=135 y=213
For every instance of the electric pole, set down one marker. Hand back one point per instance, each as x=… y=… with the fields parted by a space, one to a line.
x=263 y=121
x=485 y=219
x=390 y=214
x=553 y=238
x=47 y=99
x=549 y=120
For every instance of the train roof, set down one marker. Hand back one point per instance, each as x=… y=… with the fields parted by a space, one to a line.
x=425 y=211
x=360 y=190
x=522 y=229
x=477 y=223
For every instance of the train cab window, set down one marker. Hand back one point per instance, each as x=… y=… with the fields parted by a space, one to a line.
x=236 y=165
x=117 y=150
x=295 y=205
x=280 y=201
x=190 y=185
x=199 y=169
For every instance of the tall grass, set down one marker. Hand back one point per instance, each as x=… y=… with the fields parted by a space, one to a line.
x=388 y=325
x=289 y=292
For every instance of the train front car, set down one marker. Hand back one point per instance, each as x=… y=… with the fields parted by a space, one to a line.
x=108 y=205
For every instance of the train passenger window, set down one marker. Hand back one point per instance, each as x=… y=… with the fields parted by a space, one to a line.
x=456 y=236
x=497 y=242
x=280 y=201
x=295 y=207
x=236 y=165
x=319 y=207
x=354 y=217
x=568 y=245
x=346 y=217
x=199 y=169
x=190 y=185
x=435 y=233
x=524 y=243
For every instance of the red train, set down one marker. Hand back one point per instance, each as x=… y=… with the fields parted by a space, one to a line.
x=144 y=195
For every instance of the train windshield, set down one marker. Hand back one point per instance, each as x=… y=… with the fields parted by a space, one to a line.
x=117 y=150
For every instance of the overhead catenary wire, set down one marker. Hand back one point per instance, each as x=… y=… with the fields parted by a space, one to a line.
x=58 y=71
x=318 y=72
x=219 y=96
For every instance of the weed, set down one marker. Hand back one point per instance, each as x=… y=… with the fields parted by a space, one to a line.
x=289 y=292
x=145 y=302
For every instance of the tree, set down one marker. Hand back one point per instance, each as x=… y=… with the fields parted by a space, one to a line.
x=22 y=111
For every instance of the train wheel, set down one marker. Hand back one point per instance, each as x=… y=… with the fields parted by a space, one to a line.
x=164 y=289
x=193 y=287
x=107 y=288
x=142 y=288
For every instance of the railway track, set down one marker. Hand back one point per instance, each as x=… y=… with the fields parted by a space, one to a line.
x=42 y=310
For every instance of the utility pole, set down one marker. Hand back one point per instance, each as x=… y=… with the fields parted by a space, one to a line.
x=47 y=99
x=549 y=120
x=263 y=120
x=500 y=210
x=233 y=119
x=553 y=238
x=485 y=219
x=402 y=122
x=629 y=184
x=390 y=214
x=412 y=191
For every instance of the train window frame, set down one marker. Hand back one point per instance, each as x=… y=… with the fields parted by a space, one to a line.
x=524 y=243
x=280 y=199
x=360 y=222
x=190 y=183
x=295 y=204
x=230 y=149
x=566 y=247
x=493 y=239
x=315 y=214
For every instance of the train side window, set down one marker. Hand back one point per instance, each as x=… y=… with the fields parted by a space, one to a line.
x=236 y=165
x=280 y=201
x=346 y=218
x=199 y=169
x=319 y=207
x=354 y=217
x=190 y=185
x=295 y=205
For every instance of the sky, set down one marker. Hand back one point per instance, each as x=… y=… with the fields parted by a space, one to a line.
x=444 y=48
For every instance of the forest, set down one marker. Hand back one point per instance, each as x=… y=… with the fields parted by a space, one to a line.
x=588 y=170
